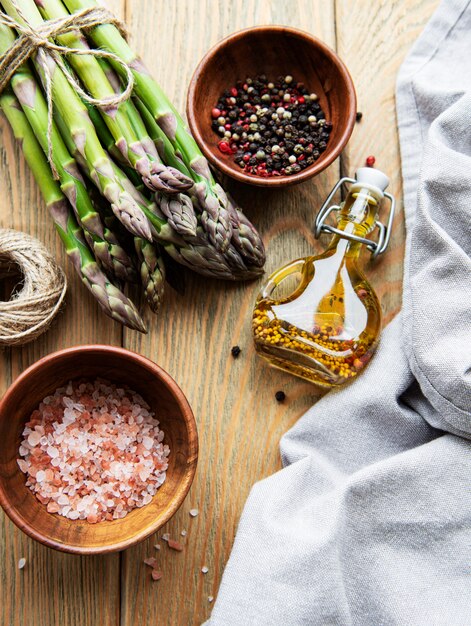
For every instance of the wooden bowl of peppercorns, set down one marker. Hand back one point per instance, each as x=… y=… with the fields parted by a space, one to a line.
x=271 y=106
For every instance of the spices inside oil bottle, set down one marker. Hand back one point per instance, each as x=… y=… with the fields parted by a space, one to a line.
x=327 y=327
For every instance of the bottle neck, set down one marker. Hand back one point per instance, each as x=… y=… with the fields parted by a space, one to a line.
x=357 y=216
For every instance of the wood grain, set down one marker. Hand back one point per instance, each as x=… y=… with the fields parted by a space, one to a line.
x=239 y=421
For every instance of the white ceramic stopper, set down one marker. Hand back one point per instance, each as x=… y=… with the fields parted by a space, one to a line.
x=373 y=178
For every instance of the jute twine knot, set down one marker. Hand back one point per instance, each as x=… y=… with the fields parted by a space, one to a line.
x=39 y=39
x=32 y=308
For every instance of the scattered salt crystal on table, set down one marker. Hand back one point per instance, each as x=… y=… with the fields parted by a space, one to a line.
x=204 y=569
x=156 y=575
x=93 y=451
x=165 y=537
x=21 y=563
x=175 y=545
x=210 y=598
x=194 y=512
x=183 y=533
x=157 y=546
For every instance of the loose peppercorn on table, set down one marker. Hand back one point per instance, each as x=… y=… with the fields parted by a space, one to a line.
x=239 y=418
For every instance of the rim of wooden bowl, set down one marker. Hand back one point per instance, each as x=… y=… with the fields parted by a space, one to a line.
x=279 y=181
x=183 y=487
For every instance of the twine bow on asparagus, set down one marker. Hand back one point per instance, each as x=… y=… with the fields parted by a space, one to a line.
x=39 y=40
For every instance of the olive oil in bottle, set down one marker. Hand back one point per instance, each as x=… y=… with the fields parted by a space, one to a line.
x=318 y=317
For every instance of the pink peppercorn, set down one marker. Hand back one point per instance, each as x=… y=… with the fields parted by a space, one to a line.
x=224 y=147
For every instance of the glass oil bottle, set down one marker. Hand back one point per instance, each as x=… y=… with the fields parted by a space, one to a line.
x=318 y=317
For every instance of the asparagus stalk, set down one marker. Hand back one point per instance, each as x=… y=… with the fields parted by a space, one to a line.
x=195 y=252
x=173 y=179
x=112 y=301
x=244 y=236
x=157 y=135
x=178 y=208
x=151 y=265
x=107 y=141
x=179 y=212
x=215 y=217
x=133 y=147
x=83 y=132
x=149 y=260
x=152 y=272
x=105 y=246
x=160 y=228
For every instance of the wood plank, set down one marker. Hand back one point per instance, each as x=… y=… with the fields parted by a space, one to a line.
x=53 y=588
x=373 y=39
x=239 y=420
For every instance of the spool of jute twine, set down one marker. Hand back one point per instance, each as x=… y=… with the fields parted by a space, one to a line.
x=37 y=298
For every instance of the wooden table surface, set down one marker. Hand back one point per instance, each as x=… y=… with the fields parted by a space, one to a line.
x=239 y=420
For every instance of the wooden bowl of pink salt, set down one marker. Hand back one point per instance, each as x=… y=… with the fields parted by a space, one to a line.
x=98 y=449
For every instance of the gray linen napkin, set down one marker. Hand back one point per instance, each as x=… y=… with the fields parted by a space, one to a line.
x=369 y=522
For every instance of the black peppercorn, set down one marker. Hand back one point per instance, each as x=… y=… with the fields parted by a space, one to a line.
x=269 y=127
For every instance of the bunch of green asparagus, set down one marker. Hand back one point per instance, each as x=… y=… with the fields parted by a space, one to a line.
x=130 y=187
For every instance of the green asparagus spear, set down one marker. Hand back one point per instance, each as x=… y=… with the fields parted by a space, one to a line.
x=174 y=178
x=106 y=249
x=215 y=216
x=195 y=252
x=112 y=301
x=152 y=272
x=244 y=236
x=83 y=132
x=133 y=147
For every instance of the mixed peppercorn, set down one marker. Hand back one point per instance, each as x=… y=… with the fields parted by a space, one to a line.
x=272 y=128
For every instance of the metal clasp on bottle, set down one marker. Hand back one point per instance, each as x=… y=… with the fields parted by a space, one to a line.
x=375 y=247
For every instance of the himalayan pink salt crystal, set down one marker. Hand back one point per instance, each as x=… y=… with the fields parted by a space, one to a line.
x=52 y=452
x=174 y=545
x=22 y=465
x=93 y=451
x=52 y=507
x=156 y=575
x=34 y=438
x=150 y=561
x=147 y=498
